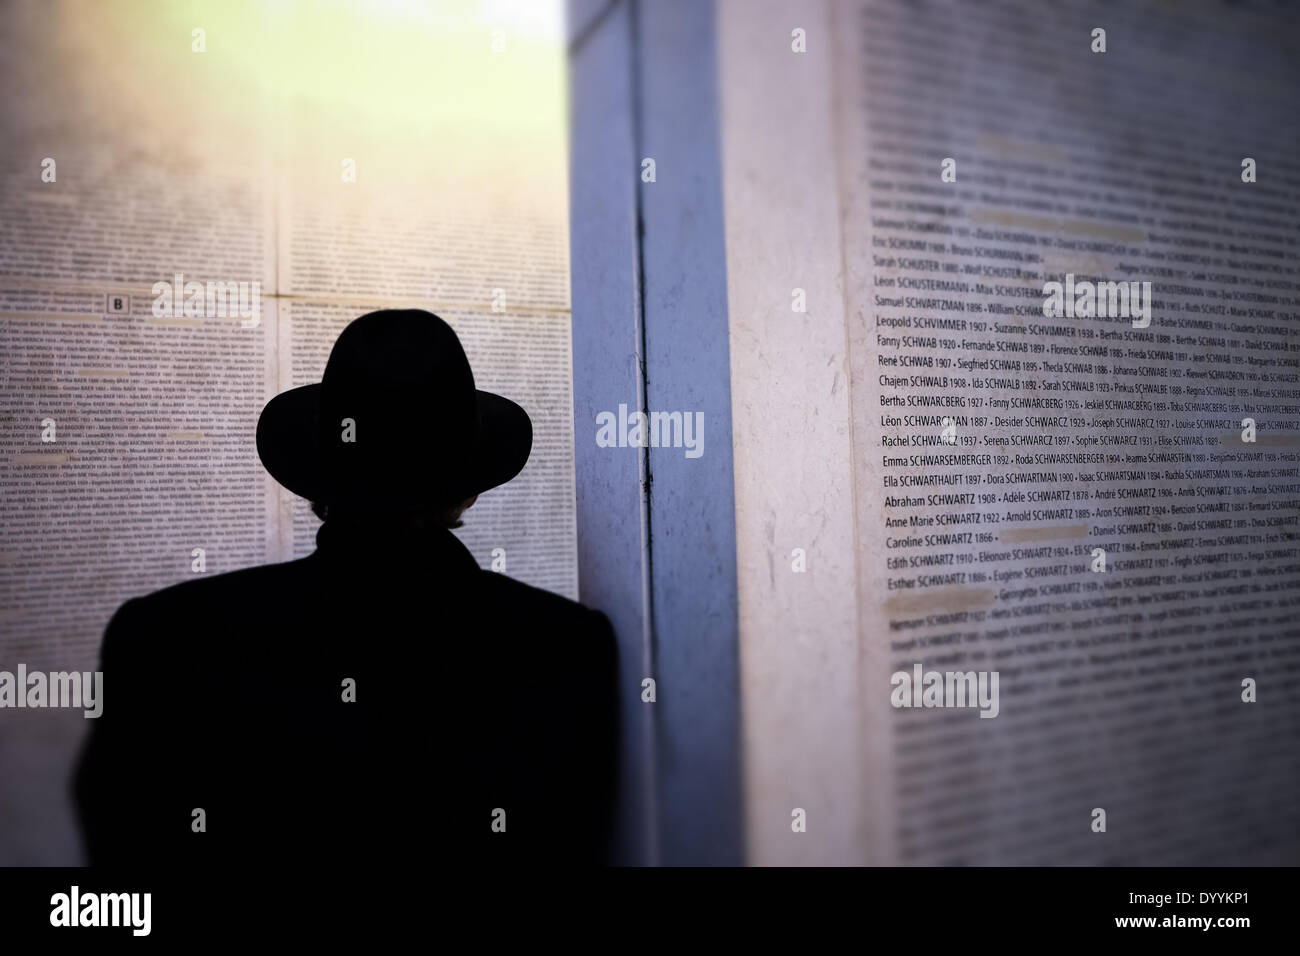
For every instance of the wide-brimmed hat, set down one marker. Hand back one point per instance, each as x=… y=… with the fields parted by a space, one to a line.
x=396 y=415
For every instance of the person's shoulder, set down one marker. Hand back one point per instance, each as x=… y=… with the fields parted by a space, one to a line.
x=199 y=602
x=541 y=632
x=217 y=587
x=507 y=594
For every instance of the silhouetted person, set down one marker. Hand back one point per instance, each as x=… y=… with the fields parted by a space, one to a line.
x=474 y=693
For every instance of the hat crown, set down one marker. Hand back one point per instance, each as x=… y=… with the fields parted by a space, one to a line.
x=397 y=400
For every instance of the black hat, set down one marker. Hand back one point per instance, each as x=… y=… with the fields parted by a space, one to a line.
x=396 y=415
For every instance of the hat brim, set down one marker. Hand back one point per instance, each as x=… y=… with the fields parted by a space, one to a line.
x=287 y=445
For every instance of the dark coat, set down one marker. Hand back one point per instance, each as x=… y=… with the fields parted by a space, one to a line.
x=474 y=693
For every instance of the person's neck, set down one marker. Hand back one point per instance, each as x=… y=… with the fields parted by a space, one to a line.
x=391 y=545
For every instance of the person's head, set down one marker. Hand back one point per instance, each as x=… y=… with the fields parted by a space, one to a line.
x=395 y=433
x=418 y=516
